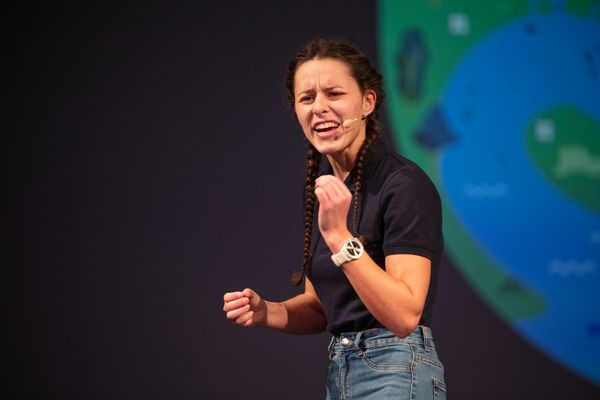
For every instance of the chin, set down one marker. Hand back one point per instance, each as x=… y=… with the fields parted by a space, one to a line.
x=330 y=146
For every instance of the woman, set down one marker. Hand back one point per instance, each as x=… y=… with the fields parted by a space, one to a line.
x=371 y=262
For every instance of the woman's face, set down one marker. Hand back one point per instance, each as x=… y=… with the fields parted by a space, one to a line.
x=325 y=95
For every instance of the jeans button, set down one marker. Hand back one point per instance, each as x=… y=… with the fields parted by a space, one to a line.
x=346 y=341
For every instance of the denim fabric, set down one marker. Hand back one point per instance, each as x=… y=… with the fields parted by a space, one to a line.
x=376 y=364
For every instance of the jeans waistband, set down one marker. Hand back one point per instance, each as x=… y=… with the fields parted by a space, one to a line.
x=378 y=337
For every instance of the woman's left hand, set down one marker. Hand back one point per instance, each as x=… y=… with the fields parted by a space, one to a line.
x=334 y=204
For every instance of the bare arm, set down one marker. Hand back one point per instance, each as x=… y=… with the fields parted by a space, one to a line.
x=396 y=295
x=300 y=315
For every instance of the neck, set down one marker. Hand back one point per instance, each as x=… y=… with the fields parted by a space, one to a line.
x=343 y=162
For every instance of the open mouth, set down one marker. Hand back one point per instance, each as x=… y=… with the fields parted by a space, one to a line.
x=324 y=127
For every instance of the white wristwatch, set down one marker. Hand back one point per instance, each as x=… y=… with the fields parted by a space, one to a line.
x=351 y=250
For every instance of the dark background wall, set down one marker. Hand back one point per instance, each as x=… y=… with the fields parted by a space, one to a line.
x=150 y=165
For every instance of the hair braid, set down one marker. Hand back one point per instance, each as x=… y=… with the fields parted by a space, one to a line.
x=372 y=135
x=313 y=161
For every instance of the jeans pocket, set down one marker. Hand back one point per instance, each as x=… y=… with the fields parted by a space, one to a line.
x=388 y=358
x=429 y=357
x=439 y=389
x=429 y=360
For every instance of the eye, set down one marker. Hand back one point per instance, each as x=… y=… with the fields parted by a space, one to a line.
x=335 y=94
x=306 y=99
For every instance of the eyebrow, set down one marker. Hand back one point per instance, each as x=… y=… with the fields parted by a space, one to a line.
x=325 y=88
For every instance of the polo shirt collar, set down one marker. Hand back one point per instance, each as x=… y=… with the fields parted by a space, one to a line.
x=372 y=158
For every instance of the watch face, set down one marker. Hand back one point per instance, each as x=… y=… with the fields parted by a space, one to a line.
x=354 y=248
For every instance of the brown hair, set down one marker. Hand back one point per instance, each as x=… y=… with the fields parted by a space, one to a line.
x=368 y=79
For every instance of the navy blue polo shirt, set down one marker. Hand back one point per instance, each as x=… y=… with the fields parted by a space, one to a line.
x=399 y=213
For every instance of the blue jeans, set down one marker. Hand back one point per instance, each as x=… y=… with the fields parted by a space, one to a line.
x=376 y=364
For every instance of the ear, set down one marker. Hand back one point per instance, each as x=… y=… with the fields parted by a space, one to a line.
x=369 y=101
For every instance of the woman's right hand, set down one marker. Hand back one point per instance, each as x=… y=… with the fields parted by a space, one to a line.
x=245 y=308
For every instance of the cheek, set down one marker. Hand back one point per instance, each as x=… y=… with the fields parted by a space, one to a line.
x=302 y=117
x=307 y=132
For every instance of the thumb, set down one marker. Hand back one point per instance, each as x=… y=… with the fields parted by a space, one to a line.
x=320 y=193
x=252 y=296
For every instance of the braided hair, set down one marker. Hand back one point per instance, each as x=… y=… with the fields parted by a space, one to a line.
x=368 y=79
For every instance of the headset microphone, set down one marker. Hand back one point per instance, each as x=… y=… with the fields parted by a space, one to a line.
x=349 y=123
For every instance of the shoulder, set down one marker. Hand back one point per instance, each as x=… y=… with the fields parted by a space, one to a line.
x=394 y=172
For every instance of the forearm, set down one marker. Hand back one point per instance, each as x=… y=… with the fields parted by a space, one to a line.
x=389 y=299
x=300 y=315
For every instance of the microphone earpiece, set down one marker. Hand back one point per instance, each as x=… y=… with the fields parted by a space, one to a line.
x=349 y=123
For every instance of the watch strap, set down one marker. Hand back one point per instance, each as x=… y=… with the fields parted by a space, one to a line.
x=339 y=258
x=352 y=249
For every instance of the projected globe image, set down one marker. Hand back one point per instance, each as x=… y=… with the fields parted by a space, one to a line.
x=500 y=103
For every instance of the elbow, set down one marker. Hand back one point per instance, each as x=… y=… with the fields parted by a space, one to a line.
x=404 y=331
x=406 y=326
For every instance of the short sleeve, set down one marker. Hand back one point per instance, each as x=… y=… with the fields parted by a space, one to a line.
x=412 y=218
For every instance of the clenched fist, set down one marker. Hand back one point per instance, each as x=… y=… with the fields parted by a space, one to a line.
x=244 y=308
x=334 y=204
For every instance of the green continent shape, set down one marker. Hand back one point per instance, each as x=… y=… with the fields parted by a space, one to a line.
x=564 y=143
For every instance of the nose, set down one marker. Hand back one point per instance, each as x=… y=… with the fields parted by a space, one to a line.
x=320 y=105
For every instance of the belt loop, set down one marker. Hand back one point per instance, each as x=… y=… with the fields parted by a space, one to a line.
x=330 y=347
x=425 y=336
x=357 y=340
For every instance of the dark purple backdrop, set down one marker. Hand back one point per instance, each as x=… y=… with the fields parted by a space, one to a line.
x=151 y=165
